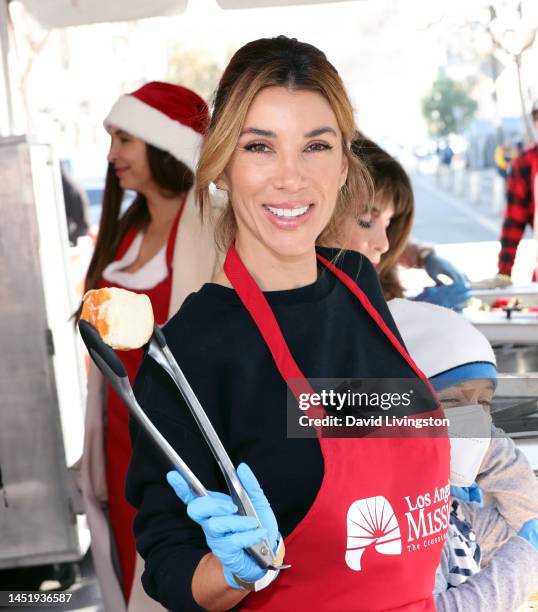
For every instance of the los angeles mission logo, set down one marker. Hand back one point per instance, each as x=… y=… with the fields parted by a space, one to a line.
x=373 y=522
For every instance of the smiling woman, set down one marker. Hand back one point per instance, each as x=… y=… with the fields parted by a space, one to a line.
x=279 y=310
x=285 y=178
x=259 y=122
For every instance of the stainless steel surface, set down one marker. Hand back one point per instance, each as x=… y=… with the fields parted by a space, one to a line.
x=515 y=410
x=522 y=328
x=34 y=440
x=262 y=553
x=517 y=359
x=509 y=385
x=527 y=294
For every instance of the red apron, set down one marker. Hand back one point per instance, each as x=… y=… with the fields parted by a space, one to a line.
x=117 y=440
x=372 y=539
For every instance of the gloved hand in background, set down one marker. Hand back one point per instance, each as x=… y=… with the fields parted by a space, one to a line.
x=435 y=266
x=529 y=532
x=468 y=494
x=227 y=533
x=450 y=296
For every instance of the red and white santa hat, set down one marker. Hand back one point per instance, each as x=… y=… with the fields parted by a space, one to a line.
x=167 y=116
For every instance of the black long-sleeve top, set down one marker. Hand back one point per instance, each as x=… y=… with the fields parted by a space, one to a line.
x=226 y=361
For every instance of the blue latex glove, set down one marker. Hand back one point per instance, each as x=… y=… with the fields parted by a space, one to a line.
x=450 y=296
x=529 y=532
x=435 y=266
x=227 y=533
x=468 y=494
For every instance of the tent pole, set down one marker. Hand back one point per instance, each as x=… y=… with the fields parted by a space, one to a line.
x=4 y=40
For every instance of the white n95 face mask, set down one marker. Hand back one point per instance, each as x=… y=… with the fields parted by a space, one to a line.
x=470 y=437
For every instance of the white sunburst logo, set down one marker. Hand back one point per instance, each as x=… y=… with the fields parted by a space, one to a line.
x=371 y=522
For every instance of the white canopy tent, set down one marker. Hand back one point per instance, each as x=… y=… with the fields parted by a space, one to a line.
x=62 y=13
x=4 y=51
x=65 y=13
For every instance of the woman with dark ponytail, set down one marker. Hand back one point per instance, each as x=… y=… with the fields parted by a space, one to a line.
x=158 y=246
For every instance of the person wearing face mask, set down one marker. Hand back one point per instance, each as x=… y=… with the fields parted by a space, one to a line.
x=158 y=247
x=382 y=234
x=279 y=311
x=490 y=558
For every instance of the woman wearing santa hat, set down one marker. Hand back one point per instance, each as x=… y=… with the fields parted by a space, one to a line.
x=159 y=247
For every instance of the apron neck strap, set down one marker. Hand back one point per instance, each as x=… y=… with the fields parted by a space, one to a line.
x=254 y=301
x=361 y=296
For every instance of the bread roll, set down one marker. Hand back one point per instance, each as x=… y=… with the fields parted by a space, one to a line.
x=123 y=319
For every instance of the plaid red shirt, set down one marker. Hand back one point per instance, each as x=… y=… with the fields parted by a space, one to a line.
x=520 y=204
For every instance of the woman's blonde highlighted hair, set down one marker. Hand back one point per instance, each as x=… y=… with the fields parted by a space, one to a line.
x=276 y=62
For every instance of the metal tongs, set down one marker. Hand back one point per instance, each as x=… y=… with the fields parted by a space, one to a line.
x=112 y=368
